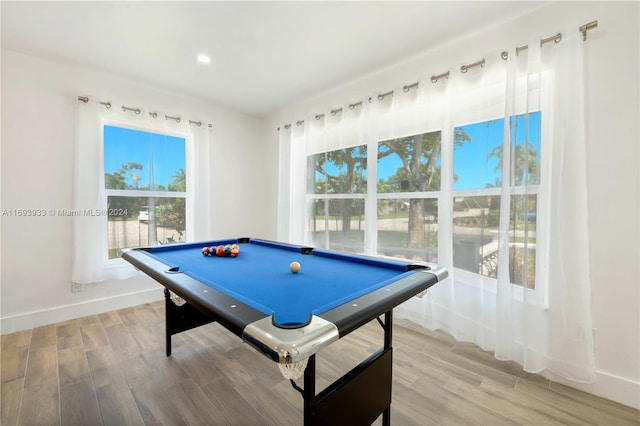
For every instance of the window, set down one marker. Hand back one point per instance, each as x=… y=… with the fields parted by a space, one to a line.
x=145 y=177
x=407 y=193
x=405 y=197
x=477 y=176
x=408 y=176
x=337 y=183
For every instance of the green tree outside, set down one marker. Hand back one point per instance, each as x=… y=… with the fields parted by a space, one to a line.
x=419 y=172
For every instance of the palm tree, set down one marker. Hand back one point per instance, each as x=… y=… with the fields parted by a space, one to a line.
x=179 y=182
x=524 y=167
x=524 y=156
x=135 y=178
x=115 y=180
x=175 y=212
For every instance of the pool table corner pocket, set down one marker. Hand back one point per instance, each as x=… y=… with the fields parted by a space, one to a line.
x=289 y=345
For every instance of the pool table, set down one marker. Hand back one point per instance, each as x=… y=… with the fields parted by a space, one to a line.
x=289 y=317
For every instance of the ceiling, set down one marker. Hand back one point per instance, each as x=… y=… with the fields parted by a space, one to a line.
x=264 y=54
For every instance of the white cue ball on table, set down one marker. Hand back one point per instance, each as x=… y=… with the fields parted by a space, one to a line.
x=295 y=267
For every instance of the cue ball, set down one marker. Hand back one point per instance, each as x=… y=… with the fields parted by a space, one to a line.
x=295 y=267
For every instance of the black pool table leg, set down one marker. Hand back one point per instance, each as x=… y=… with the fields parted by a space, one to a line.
x=388 y=329
x=167 y=320
x=388 y=335
x=369 y=381
x=386 y=417
x=183 y=317
x=309 y=395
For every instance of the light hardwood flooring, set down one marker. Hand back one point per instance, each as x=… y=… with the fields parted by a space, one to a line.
x=111 y=369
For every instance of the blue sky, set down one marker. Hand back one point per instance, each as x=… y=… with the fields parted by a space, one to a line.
x=124 y=145
x=473 y=168
x=471 y=163
x=388 y=166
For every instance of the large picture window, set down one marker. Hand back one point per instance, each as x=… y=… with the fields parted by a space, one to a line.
x=145 y=178
x=407 y=193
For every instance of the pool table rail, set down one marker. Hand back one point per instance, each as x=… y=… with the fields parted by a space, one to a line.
x=357 y=312
x=229 y=312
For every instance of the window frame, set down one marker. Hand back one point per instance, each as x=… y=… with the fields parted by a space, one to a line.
x=327 y=197
x=371 y=198
x=530 y=93
x=408 y=195
x=117 y=262
x=537 y=189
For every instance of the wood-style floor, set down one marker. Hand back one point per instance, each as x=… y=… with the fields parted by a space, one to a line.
x=111 y=369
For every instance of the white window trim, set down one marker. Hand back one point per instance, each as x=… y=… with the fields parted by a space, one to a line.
x=116 y=265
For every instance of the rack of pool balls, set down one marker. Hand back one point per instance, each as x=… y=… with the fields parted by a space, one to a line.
x=229 y=250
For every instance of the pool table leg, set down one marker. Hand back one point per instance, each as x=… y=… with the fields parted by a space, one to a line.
x=369 y=384
x=181 y=318
x=167 y=320
x=388 y=328
x=309 y=395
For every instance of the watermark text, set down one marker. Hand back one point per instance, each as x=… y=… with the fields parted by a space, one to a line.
x=34 y=212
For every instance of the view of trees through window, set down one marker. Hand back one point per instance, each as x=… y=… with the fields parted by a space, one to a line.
x=409 y=173
x=408 y=189
x=477 y=168
x=337 y=219
x=146 y=183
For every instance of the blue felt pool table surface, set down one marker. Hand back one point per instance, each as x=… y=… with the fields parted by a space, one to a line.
x=260 y=276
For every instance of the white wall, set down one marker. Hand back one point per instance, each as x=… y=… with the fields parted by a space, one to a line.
x=38 y=124
x=613 y=177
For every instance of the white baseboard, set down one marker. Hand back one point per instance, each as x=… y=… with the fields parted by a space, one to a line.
x=608 y=386
x=28 y=320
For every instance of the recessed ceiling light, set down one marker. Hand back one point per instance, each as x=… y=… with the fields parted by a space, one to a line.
x=204 y=59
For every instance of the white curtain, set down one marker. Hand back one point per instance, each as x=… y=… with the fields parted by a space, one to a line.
x=199 y=182
x=89 y=232
x=90 y=245
x=544 y=325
